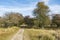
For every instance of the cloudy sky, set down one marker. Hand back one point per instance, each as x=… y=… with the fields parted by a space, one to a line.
x=26 y=7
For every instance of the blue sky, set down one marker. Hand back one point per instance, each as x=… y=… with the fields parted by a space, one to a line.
x=26 y=7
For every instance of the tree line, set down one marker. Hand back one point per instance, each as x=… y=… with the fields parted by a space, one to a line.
x=41 y=18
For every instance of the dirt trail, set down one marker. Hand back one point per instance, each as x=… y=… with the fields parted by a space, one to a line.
x=18 y=35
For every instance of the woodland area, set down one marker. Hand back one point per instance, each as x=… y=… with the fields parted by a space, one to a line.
x=41 y=18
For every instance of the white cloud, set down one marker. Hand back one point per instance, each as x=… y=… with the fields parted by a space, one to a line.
x=24 y=10
x=55 y=9
x=46 y=1
x=18 y=7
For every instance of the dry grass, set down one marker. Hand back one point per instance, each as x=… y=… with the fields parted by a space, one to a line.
x=30 y=34
x=7 y=33
x=41 y=34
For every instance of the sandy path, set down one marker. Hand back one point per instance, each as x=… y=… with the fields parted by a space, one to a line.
x=18 y=35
